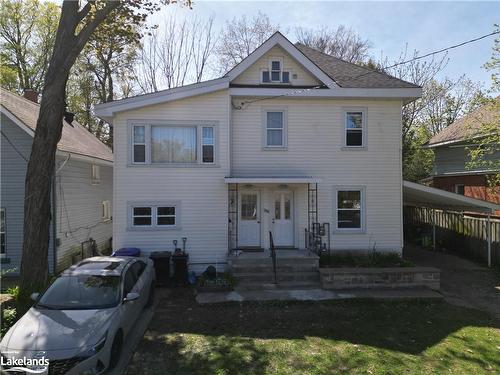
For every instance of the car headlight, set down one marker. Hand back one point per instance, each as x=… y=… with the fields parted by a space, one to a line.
x=96 y=348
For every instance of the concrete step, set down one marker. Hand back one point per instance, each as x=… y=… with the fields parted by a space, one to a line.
x=282 y=277
x=280 y=285
x=282 y=262
x=235 y=269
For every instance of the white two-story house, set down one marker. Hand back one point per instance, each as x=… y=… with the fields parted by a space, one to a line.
x=288 y=138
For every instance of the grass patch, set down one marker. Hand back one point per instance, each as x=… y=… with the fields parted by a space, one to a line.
x=373 y=259
x=353 y=337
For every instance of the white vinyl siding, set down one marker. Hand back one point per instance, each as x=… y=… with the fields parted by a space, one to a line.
x=200 y=188
x=254 y=74
x=315 y=148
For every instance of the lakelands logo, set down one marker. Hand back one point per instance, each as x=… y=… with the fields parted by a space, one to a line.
x=37 y=365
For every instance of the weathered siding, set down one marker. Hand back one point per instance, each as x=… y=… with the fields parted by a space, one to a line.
x=200 y=190
x=79 y=210
x=13 y=173
x=449 y=160
x=252 y=76
x=315 y=129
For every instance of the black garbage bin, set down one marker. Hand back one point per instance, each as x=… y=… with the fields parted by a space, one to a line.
x=180 y=261
x=161 y=260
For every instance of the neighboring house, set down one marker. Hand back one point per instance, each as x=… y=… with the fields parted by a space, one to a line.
x=289 y=137
x=81 y=191
x=451 y=156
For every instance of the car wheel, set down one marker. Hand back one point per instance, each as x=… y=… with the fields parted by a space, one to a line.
x=151 y=297
x=116 y=350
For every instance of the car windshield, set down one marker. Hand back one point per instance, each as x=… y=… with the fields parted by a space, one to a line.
x=81 y=292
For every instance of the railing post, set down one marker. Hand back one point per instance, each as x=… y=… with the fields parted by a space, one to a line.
x=488 y=238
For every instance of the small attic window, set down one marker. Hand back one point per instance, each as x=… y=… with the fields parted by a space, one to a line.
x=275 y=74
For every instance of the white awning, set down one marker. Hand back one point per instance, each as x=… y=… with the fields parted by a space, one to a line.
x=425 y=196
x=272 y=180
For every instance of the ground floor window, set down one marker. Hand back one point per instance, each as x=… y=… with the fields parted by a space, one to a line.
x=349 y=209
x=154 y=216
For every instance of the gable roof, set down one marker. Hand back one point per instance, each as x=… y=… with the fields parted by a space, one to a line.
x=468 y=126
x=279 y=39
x=350 y=75
x=75 y=138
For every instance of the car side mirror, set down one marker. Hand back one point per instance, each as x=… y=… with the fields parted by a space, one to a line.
x=34 y=296
x=131 y=297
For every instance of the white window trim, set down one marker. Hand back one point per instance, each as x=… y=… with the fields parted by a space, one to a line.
x=4 y=254
x=207 y=144
x=106 y=210
x=154 y=213
x=133 y=143
x=174 y=123
x=364 y=128
x=338 y=230
x=282 y=69
x=95 y=174
x=270 y=65
x=265 y=146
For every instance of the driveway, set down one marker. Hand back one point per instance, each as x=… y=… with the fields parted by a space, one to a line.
x=463 y=282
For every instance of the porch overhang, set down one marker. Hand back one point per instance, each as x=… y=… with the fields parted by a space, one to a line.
x=272 y=180
x=425 y=196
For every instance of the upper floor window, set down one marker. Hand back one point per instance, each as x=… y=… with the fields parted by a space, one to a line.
x=173 y=144
x=460 y=189
x=354 y=129
x=96 y=174
x=275 y=73
x=275 y=129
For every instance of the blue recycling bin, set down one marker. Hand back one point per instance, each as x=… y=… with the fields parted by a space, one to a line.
x=127 y=252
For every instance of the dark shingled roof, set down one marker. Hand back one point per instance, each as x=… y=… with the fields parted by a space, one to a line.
x=350 y=75
x=469 y=126
x=75 y=138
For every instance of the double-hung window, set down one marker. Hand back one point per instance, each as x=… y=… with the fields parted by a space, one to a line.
x=350 y=209
x=2 y=231
x=207 y=144
x=96 y=174
x=355 y=129
x=275 y=129
x=139 y=144
x=173 y=144
x=156 y=216
x=276 y=71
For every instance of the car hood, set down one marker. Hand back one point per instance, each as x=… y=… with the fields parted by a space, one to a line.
x=41 y=329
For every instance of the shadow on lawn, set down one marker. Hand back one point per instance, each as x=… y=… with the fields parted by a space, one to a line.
x=227 y=338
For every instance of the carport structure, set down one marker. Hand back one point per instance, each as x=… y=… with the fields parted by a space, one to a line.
x=417 y=195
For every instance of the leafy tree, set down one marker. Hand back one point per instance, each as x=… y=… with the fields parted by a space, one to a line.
x=27 y=35
x=341 y=42
x=77 y=24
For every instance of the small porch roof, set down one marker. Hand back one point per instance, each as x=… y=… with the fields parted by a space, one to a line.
x=272 y=180
x=425 y=196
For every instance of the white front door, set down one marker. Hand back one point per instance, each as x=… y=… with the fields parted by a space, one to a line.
x=249 y=219
x=283 y=218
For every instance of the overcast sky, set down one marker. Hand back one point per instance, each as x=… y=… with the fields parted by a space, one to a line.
x=425 y=26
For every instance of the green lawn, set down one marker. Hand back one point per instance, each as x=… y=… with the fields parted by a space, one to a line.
x=355 y=337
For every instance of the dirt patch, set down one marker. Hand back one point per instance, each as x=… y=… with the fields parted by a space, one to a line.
x=463 y=282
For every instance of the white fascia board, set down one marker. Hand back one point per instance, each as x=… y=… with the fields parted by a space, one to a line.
x=357 y=93
x=107 y=110
x=451 y=199
x=271 y=180
x=16 y=121
x=84 y=158
x=279 y=39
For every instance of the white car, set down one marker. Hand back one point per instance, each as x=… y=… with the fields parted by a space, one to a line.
x=81 y=321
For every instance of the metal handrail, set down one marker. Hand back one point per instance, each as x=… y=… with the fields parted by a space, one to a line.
x=273 y=256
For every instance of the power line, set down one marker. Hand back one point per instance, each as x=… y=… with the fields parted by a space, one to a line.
x=375 y=71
